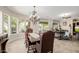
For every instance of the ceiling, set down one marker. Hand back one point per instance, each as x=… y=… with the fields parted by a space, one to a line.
x=46 y=12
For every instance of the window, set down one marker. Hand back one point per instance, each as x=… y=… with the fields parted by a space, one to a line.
x=22 y=26
x=13 y=25
x=43 y=25
x=5 y=24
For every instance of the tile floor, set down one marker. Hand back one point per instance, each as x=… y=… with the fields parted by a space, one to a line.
x=60 y=46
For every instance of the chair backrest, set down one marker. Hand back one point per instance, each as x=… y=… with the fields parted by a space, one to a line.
x=47 y=42
x=29 y=30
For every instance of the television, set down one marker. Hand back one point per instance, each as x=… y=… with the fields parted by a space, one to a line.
x=77 y=28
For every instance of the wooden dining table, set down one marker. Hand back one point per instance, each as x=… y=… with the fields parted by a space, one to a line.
x=34 y=37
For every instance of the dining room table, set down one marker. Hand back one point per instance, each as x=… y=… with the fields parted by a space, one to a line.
x=34 y=37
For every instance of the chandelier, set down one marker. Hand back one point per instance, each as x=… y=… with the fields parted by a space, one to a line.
x=34 y=18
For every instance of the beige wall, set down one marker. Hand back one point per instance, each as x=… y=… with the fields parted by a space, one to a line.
x=66 y=27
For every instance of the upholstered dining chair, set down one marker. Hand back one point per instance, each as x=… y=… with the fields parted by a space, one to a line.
x=27 y=41
x=46 y=43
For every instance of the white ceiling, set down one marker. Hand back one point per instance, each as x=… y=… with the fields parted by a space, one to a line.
x=46 y=11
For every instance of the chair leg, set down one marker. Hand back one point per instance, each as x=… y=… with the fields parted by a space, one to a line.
x=35 y=51
x=32 y=48
x=28 y=50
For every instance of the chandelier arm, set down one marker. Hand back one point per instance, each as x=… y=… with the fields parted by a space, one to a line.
x=34 y=17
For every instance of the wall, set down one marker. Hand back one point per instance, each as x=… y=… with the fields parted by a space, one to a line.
x=50 y=23
x=66 y=26
x=0 y=22
x=55 y=24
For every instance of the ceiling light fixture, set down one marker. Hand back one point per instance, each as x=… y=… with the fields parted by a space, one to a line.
x=34 y=17
x=65 y=15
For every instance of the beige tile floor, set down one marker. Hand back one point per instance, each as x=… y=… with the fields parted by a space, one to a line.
x=17 y=46
x=66 y=46
x=60 y=46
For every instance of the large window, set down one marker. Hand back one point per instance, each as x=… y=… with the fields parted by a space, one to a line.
x=43 y=25
x=22 y=26
x=13 y=25
x=5 y=24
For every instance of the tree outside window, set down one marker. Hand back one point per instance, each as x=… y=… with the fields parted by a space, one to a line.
x=5 y=24
x=22 y=26
x=13 y=25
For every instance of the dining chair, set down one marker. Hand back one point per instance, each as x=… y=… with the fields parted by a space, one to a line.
x=46 y=43
x=27 y=40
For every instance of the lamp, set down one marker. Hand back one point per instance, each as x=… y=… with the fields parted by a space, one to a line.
x=65 y=15
x=34 y=17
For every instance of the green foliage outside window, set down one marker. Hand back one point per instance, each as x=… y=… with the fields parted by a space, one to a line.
x=22 y=26
x=13 y=24
x=5 y=24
